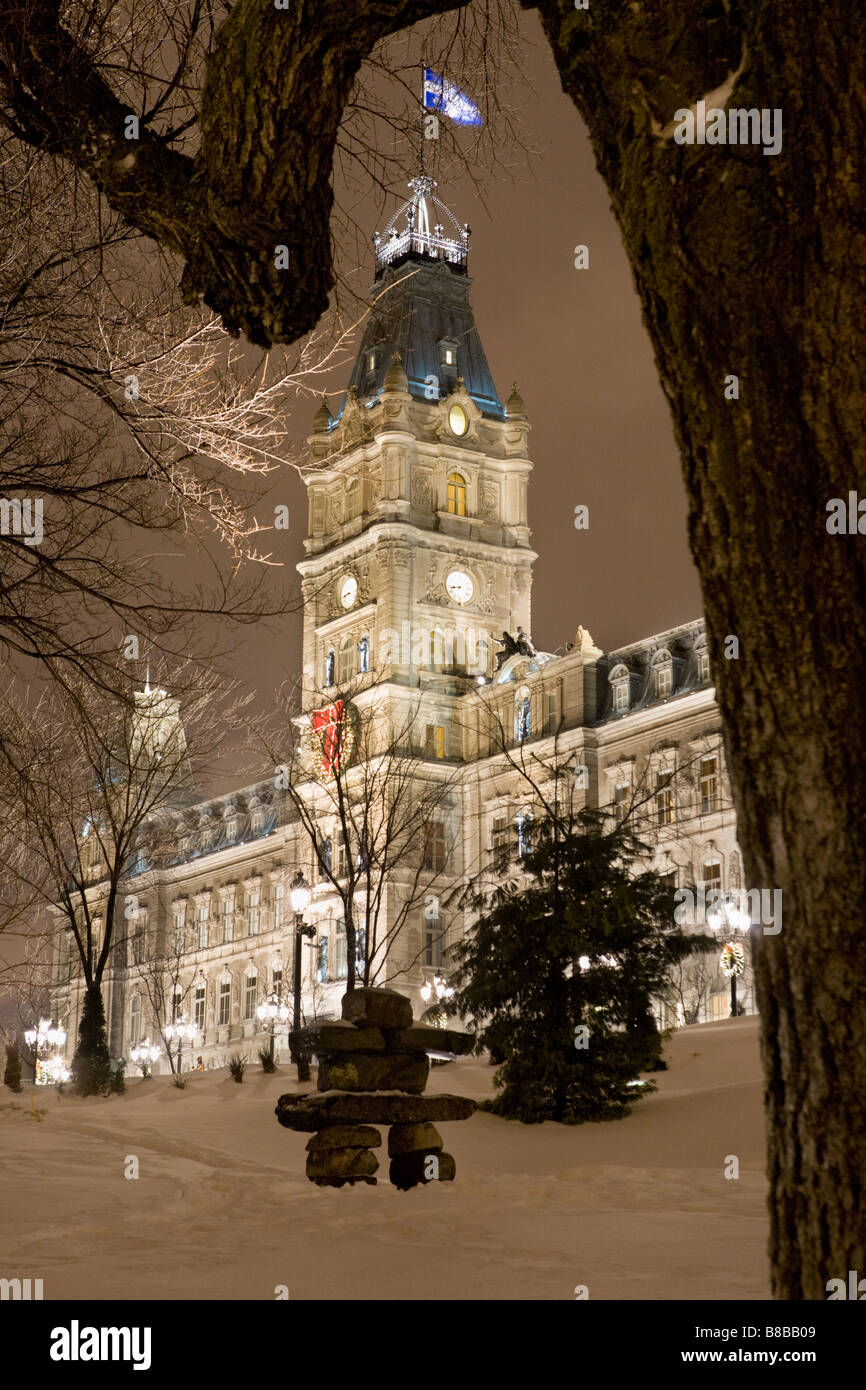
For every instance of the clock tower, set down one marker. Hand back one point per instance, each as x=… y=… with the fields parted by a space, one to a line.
x=418 y=554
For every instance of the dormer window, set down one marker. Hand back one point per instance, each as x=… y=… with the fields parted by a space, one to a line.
x=662 y=674
x=620 y=696
x=448 y=358
x=372 y=362
x=703 y=666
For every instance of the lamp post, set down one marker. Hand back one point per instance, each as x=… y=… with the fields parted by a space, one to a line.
x=300 y=894
x=443 y=991
x=272 y=1009
x=180 y=1029
x=46 y=1035
x=144 y=1055
x=733 y=957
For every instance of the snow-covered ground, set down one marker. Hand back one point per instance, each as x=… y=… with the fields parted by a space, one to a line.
x=638 y=1208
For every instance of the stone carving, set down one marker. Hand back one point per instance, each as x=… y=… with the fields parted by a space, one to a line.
x=433 y=591
x=422 y=491
x=373 y=1066
x=489 y=501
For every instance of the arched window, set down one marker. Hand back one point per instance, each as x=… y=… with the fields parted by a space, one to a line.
x=456 y=494
x=347 y=660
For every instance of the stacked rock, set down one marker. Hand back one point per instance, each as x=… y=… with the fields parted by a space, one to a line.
x=373 y=1066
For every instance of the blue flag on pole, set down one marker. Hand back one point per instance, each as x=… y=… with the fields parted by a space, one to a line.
x=444 y=97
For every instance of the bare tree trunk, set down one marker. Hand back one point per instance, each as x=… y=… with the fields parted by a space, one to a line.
x=754 y=265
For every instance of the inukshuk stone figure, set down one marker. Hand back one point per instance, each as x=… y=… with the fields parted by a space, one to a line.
x=373 y=1066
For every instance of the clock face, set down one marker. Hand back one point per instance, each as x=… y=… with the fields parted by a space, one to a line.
x=348 y=591
x=458 y=420
x=459 y=586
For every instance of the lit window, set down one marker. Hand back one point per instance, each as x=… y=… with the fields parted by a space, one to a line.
x=371 y=361
x=457 y=494
x=135 y=1020
x=364 y=655
x=250 y=993
x=449 y=357
x=435 y=741
x=330 y=661
x=709 y=785
x=664 y=798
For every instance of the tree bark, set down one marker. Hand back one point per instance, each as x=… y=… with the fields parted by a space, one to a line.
x=275 y=88
x=755 y=265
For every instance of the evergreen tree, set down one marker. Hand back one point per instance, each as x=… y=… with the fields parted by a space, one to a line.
x=12 y=1074
x=559 y=972
x=91 y=1065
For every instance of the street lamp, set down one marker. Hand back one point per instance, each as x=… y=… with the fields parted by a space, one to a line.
x=50 y=1036
x=272 y=1009
x=144 y=1054
x=733 y=957
x=180 y=1029
x=299 y=894
x=443 y=991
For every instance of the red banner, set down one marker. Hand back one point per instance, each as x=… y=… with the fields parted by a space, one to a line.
x=329 y=725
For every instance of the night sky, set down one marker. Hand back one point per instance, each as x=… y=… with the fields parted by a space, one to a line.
x=574 y=342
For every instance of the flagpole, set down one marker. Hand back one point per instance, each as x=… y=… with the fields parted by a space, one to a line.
x=423 y=113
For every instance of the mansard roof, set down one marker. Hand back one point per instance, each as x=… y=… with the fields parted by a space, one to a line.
x=679 y=647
